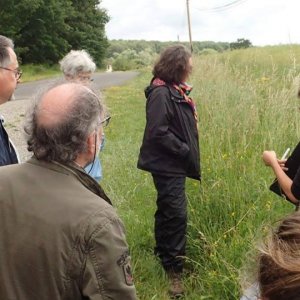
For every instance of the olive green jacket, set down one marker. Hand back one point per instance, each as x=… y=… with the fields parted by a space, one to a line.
x=59 y=238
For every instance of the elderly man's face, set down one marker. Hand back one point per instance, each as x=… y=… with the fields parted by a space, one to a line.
x=8 y=78
x=84 y=78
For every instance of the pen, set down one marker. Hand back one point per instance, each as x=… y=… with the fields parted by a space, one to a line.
x=284 y=156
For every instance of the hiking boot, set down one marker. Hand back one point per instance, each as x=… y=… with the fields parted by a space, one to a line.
x=176 y=289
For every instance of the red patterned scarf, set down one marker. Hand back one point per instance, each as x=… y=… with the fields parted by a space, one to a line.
x=184 y=90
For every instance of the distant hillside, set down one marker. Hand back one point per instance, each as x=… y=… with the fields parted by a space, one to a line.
x=118 y=46
x=133 y=54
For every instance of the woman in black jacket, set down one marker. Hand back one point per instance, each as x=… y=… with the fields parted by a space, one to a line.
x=170 y=151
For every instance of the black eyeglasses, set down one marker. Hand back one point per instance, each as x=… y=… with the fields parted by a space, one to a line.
x=85 y=79
x=18 y=72
x=105 y=122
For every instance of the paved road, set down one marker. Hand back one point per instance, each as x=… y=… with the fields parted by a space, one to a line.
x=14 y=111
x=101 y=81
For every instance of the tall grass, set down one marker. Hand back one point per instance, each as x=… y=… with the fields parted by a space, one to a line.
x=247 y=103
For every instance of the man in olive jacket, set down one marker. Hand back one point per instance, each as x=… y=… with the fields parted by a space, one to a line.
x=60 y=237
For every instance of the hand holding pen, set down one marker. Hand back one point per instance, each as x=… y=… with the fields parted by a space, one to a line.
x=283 y=159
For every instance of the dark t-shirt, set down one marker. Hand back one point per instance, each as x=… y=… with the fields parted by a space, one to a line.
x=7 y=153
x=295 y=189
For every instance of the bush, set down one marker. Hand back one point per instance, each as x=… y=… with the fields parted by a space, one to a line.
x=131 y=59
x=207 y=51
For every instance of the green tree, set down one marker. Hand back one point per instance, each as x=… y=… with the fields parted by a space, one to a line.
x=45 y=30
x=44 y=35
x=115 y=47
x=87 y=28
x=207 y=51
x=15 y=15
x=125 y=60
x=240 y=43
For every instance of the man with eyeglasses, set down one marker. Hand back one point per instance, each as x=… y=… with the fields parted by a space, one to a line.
x=60 y=237
x=9 y=77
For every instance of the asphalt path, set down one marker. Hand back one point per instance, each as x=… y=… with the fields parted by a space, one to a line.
x=100 y=81
x=14 y=111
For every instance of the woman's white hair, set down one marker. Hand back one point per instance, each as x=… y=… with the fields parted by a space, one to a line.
x=77 y=61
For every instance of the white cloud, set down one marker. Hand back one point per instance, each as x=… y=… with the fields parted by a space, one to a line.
x=261 y=21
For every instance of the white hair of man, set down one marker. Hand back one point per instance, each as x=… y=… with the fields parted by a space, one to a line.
x=4 y=54
x=77 y=61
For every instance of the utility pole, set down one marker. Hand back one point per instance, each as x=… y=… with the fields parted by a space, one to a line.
x=189 y=23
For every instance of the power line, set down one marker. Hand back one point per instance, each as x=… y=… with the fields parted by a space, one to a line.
x=212 y=9
x=222 y=7
x=183 y=23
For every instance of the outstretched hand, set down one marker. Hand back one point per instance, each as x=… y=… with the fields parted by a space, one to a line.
x=269 y=158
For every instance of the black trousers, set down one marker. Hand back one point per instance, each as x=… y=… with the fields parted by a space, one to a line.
x=170 y=221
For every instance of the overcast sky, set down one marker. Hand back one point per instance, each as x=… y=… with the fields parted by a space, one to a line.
x=263 y=22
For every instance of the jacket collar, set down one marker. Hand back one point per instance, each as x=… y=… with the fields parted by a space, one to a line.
x=175 y=95
x=74 y=170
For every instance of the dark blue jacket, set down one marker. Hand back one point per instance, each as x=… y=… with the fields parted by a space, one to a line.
x=8 y=154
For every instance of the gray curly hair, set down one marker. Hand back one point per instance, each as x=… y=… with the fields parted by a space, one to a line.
x=77 y=61
x=65 y=139
x=4 y=55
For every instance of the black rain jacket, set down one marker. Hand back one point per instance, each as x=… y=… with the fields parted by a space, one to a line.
x=171 y=144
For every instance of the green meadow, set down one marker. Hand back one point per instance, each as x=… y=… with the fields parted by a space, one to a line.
x=247 y=102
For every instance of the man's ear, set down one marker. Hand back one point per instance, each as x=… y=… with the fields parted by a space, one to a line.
x=90 y=143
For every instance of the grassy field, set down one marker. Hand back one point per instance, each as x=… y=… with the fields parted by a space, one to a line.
x=37 y=72
x=247 y=103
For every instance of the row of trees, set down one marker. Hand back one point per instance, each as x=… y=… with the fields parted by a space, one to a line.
x=45 y=30
x=132 y=54
x=118 y=46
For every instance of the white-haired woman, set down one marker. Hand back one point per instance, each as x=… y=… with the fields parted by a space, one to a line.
x=78 y=66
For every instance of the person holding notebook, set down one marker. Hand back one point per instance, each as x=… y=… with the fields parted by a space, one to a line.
x=290 y=187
